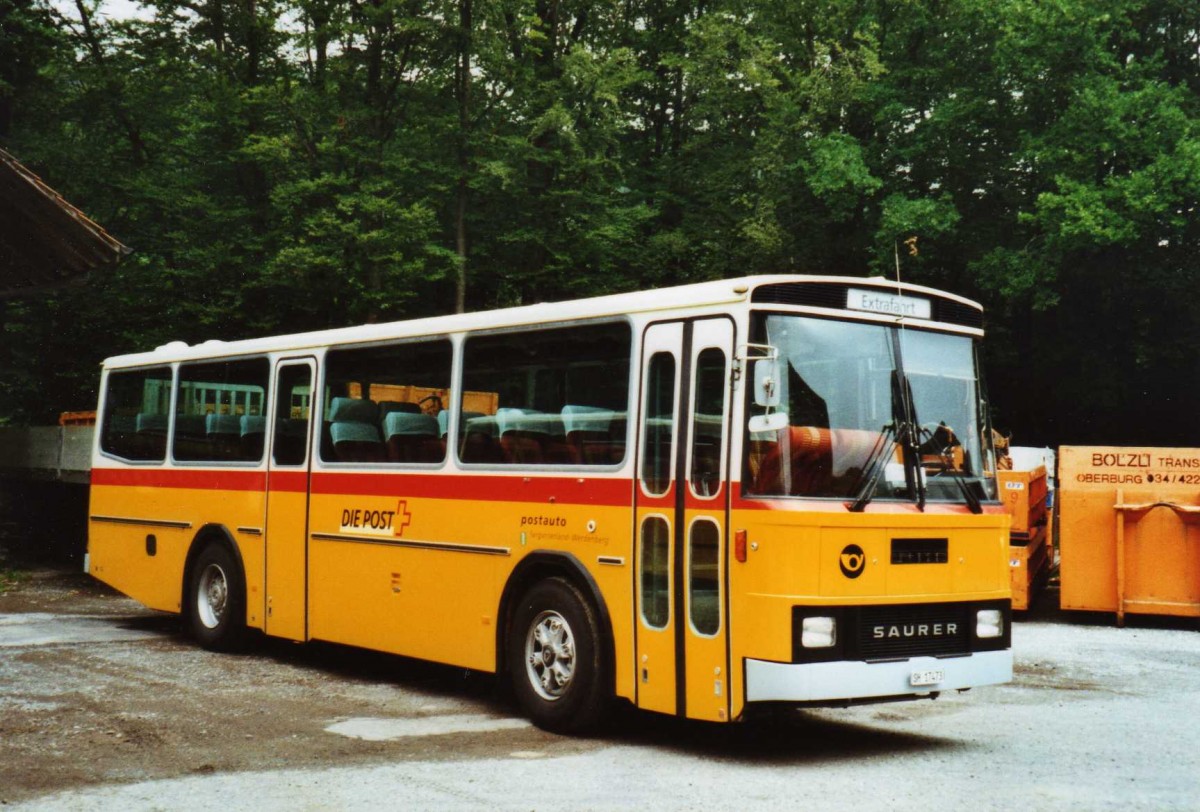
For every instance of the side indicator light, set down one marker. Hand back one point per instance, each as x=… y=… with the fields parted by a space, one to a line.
x=739 y=546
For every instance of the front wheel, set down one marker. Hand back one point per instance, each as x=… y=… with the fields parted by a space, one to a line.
x=555 y=658
x=215 y=601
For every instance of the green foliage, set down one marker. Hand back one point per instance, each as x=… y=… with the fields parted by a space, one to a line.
x=295 y=164
x=10 y=579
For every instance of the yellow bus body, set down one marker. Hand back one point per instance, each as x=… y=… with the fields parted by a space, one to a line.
x=417 y=562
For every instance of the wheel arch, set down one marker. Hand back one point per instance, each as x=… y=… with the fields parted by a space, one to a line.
x=210 y=534
x=537 y=567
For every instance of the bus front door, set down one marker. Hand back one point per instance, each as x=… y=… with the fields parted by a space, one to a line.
x=288 y=467
x=682 y=519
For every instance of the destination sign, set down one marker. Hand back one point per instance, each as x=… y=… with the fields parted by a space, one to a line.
x=873 y=301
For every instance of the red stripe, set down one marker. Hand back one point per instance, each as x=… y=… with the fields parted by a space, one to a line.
x=665 y=501
x=199 y=479
x=471 y=487
x=290 y=481
x=714 y=502
x=839 y=506
x=479 y=488
x=571 y=490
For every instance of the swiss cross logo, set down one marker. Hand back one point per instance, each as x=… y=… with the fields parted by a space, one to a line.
x=403 y=517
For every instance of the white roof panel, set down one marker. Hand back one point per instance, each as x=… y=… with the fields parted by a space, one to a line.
x=684 y=297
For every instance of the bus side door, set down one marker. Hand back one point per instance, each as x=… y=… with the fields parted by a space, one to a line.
x=681 y=519
x=288 y=467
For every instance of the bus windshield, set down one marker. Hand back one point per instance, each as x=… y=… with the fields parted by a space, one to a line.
x=845 y=389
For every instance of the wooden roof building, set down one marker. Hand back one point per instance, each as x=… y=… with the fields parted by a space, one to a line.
x=45 y=242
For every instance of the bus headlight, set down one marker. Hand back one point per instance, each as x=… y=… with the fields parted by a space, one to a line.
x=989 y=623
x=818 y=632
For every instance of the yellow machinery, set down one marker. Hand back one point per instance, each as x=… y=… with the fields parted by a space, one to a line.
x=1129 y=530
x=1030 y=548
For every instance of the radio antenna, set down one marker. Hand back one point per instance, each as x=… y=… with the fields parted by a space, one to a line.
x=896 y=252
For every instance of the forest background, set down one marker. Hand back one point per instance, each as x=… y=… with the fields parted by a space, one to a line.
x=285 y=165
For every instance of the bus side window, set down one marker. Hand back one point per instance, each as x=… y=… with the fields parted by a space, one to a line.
x=660 y=424
x=290 y=443
x=654 y=572
x=211 y=400
x=134 y=423
x=553 y=397
x=704 y=577
x=384 y=403
x=708 y=422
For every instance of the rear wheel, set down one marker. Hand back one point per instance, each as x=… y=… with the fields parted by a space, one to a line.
x=215 y=601
x=555 y=658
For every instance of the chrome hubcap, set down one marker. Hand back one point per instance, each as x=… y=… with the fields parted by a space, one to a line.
x=212 y=596
x=550 y=655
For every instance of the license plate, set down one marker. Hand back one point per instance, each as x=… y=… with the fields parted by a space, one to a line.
x=931 y=677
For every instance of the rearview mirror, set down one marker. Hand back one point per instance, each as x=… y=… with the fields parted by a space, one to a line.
x=766 y=382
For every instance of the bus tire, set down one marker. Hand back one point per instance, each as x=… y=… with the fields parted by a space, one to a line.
x=215 y=601
x=555 y=658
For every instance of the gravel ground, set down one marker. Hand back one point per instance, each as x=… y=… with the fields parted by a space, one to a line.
x=104 y=705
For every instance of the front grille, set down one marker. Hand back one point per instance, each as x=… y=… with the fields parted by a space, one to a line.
x=832 y=295
x=874 y=633
x=895 y=632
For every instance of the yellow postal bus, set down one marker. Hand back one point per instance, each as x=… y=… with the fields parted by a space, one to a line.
x=776 y=489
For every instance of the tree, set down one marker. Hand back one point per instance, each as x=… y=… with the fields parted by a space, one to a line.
x=283 y=165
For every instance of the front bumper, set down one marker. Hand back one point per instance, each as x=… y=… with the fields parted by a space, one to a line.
x=823 y=682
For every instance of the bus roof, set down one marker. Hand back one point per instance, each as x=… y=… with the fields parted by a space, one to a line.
x=682 y=297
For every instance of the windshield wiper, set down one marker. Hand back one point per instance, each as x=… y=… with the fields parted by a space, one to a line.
x=945 y=456
x=909 y=437
x=877 y=461
x=876 y=465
